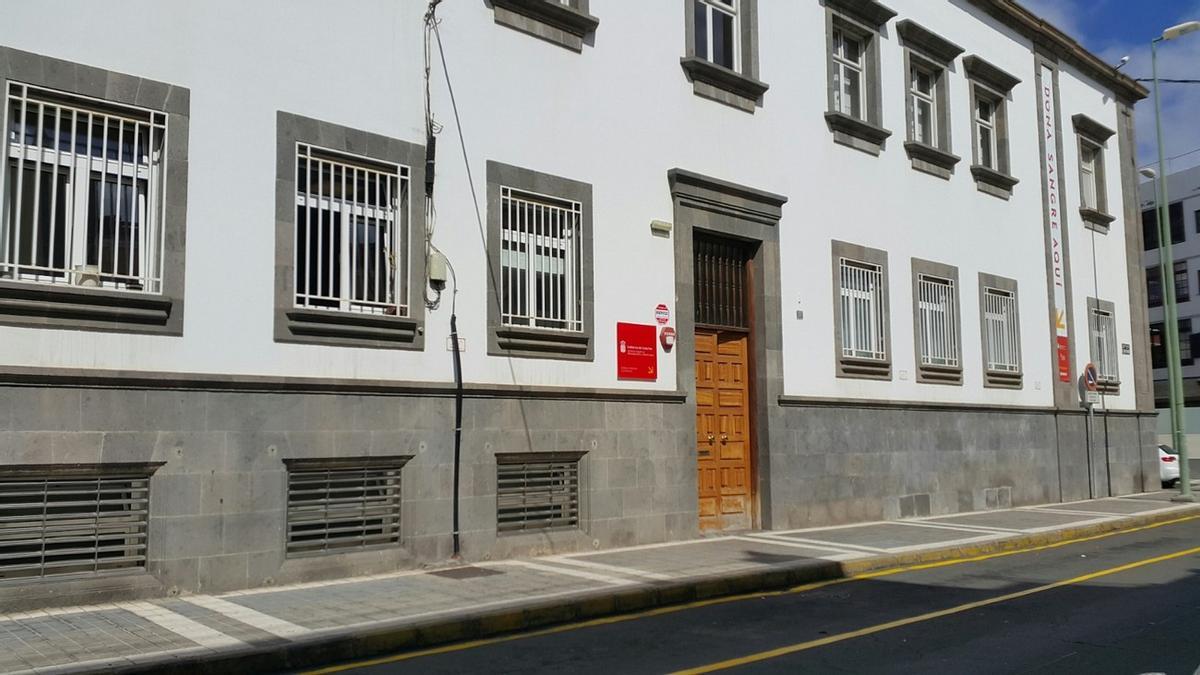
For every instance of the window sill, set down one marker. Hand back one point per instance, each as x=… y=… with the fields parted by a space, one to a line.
x=349 y=329
x=77 y=308
x=993 y=182
x=856 y=133
x=722 y=84
x=931 y=160
x=1096 y=220
x=864 y=369
x=548 y=20
x=927 y=374
x=1002 y=379
x=538 y=343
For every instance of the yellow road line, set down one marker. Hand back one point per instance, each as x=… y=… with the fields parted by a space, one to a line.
x=900 y=623
x=670 y=609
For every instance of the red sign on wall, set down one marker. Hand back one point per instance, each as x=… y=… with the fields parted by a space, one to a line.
x=1064 y=359
x=637 y=352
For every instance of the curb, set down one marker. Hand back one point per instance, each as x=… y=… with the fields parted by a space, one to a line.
x=338 y=645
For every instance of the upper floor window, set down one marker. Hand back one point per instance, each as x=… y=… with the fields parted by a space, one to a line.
x=351 y=243
x=717 y=31
x=1154 y=287
x=721 y=51
x=1150 y=226
x=540 y=261
x=1000 y=326
x=1093 y=195
x=990 y=89
x=1182 y=291
x=855 y=110
x=848 y=73
x=928 y=58
x=84 y=186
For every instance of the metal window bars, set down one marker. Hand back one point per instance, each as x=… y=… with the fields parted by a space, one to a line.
x=62 y=525
x=1104 y=341
x=351 y=252
x=1001 y=339
x=537 y=493
x=335 y=509
x=83 y=195
x=541 y=261
x=937 y=324
x=863 y=320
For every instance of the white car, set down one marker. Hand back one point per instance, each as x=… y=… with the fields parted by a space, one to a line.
x=1168 y=465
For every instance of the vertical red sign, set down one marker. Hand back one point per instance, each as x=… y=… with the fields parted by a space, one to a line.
x=637 y=353
x=1064 y=359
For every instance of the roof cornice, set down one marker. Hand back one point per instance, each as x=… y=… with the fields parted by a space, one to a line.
x=1063 y=46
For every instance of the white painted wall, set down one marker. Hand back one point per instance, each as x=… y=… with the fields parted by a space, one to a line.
x=618 y=116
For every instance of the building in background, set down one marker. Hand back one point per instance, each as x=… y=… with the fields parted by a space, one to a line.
x=1183 y=214
x=886 y=240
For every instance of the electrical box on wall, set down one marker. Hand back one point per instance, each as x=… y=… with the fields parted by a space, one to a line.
x=437 y=271
x=660 y=228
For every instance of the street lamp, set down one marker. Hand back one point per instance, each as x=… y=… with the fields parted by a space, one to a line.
x=1175 y=381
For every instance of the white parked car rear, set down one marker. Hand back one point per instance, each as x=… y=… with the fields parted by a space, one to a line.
x=1168 y=465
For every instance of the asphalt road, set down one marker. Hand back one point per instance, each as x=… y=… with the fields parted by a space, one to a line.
x=1128 y=603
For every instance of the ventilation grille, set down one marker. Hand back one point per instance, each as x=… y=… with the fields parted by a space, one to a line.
x=537 y=492
x=59 y=525
x=335 y=508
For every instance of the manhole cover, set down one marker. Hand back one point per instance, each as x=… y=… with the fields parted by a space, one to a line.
x=467 y=572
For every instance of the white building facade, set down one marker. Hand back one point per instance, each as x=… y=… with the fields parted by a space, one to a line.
x=887 y=240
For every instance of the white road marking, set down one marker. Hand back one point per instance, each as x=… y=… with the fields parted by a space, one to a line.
x=591 y=576
x=181 y=625
x=250 y=617
x=632 y=571
x=980 y=528
x=955 y=528
x=1074 y=512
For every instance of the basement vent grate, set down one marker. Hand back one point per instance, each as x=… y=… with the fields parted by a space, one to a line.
x=537 y=491
x=343 y=505
x=58 y=524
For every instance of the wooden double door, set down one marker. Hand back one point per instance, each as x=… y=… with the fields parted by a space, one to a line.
x=724 y=427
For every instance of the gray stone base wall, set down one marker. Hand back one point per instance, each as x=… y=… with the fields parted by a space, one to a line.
x=839 y=464
x=217 y=504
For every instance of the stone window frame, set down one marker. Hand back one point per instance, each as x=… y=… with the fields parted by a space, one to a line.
x=329 y=327
x=988 y=81
x=1090 y=132
x=924 y=48
x=37 y=305
x=1000 y=379
x=927 y=373
x=565 y=24
x=740 y=88
x=865 y=19
x=851 y=367
x=1110 y=386
x=524 y=341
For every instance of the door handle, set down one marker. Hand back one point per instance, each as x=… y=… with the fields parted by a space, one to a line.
x=710 y=438
x=724 y=437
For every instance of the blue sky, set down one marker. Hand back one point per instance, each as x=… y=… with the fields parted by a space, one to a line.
x=1115 y=28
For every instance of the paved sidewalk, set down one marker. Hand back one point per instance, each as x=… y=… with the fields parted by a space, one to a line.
x=305 y=624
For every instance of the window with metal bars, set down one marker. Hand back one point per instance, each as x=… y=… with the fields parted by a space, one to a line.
x=351 y=234
x=1103 y=326
x=86 y=521
x=538 y=491
x=938 y=325
x=1001 y=337
x=864 y=321
x=719 y=279
x=337 y=506
x=83 y=190
x=540 y=261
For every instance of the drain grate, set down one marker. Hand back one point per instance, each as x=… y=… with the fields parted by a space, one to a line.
x=467 y=572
